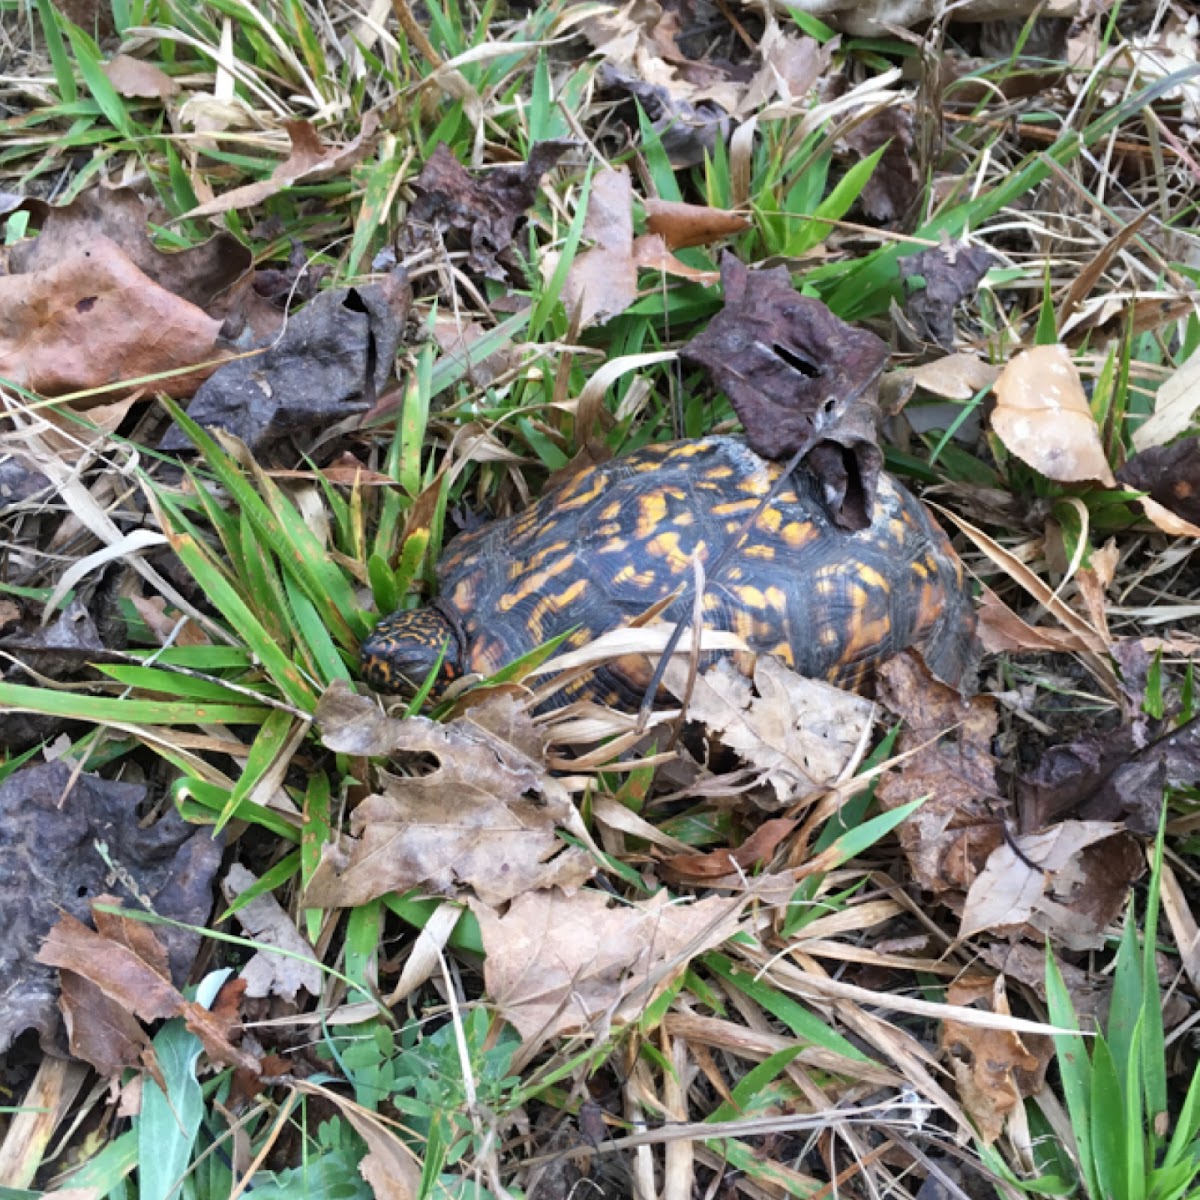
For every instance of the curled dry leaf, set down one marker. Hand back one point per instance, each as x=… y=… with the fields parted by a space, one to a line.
x=895 y=183
x=683 y=225
x=937 y=280
x=50 y=823
x=946 y=744
x=1070 y=882
x=602 y=282
x=486 y=818
x=265 y=920
x=308 y=161
x=955 y=376
x=797 y=376
x=995 y=1068
x=135 y=985
x=478 y=214
x=559 y=963
x=651 y=254
x=1042 y=416
x=801 y=734
x=720 y=864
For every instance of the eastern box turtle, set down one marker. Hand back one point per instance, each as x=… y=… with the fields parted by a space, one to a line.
x=602 y=548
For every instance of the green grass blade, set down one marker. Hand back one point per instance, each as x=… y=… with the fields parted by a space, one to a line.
x=1074 y=1067
x=1107 y=1119
x=105 y=710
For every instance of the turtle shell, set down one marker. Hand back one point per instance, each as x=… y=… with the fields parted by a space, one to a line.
x=600 y=549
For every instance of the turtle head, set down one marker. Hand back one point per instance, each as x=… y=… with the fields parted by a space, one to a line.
x=404 y=648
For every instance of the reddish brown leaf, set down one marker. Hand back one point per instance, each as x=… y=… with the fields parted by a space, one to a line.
x=133 y=984
x=716 y=864
x=94 y=319
x=691 y=224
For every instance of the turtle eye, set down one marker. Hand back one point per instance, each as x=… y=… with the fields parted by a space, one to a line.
x=404 y=649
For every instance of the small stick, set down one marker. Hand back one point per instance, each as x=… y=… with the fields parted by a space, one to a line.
x=415 y=34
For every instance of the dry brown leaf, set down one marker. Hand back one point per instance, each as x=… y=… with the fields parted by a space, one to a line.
x=1042 y=416
x=683 y=225
x=1175 y=405
x=1002 y=631
x=995 y=1068
x=309 y=160
x=1069 y=881
x=955 y=376
x=602 y=281
x=486 y=818
x=558 y=963
x=125 y=978
x=716 y=864
x=136 y=78
x=265 y=920
x=651 y=254
x=1164 y=519
x=801 y=734
x=93 y=319
x=949 y=763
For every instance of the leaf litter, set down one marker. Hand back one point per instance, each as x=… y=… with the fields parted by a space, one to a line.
x=654 y=891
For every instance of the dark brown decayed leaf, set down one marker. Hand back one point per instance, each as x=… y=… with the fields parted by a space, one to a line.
x=333 y=358
x=310 y=160
x=1171 y=474
x=485 y=819
x=950 y=275
x=797 y=375
x=93 y=319
x=949 y=838
x=47 y=844
x=479 y=213
x=894 y=185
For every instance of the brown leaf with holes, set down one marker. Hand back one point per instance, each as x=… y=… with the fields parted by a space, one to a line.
x=681 y=225
x=948 y=762
x=798 y=376
x=800 y=734
x=1043 y=417
x=94 y=319
x=486 y=818
x=1171 y=476
x=995 y=1068
x=1070 y=882
x=601 y=282
x=309 y=161
x=558 y=963
x=117 y=970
